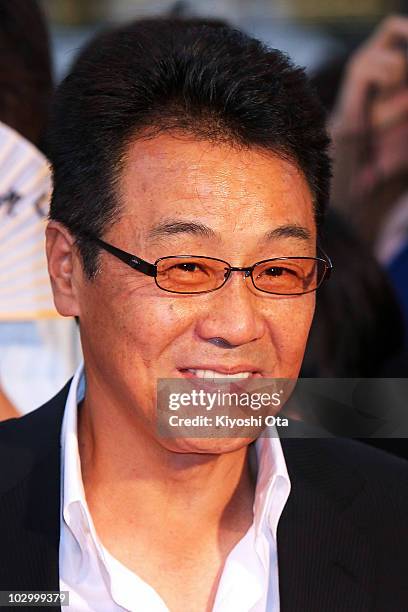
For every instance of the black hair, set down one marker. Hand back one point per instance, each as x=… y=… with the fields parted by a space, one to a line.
x=156 y=75
x=25 y=68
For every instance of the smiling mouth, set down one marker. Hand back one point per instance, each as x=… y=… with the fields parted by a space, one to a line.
x=213 y=374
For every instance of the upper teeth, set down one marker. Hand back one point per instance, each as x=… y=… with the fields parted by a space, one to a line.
x=215 y=374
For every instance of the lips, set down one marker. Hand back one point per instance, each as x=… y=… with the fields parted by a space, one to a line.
x=210 y=373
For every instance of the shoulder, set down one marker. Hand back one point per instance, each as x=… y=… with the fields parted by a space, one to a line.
x=347 y=452
x=347 y=514
x=46 y=416
x=30 y=487
x=375 y=464
x=26 y=441
x=349 y=469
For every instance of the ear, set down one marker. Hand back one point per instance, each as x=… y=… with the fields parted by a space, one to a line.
x=64 y=268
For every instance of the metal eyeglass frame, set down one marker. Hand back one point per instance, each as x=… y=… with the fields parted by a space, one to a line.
x=150 y=269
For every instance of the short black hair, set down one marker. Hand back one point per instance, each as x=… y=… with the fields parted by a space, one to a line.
x=25 y=68
x=157 y=75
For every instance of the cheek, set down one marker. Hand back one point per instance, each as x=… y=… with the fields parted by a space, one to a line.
x=145 y=327
x=289 y=325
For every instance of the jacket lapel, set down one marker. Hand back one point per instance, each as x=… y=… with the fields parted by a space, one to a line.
x=325 y=561
x=30 y=496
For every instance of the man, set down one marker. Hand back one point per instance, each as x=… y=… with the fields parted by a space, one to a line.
x=168 y=141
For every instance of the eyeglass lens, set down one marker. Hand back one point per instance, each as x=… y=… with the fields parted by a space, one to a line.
x=200 y=274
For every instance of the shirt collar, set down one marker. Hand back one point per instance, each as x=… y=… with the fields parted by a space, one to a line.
x=72 y=484
x=272 y=485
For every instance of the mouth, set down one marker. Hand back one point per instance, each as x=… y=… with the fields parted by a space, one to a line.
x=236 y=373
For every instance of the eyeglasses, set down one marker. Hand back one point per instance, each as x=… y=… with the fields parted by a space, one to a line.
x=196 y=274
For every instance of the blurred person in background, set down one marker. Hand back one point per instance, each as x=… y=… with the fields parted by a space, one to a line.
x=38 y=348
x=357 y=332
x=369 y=127
x=25 y=69
x=358 y=328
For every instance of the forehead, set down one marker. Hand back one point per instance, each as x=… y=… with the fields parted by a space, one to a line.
x=228 y=188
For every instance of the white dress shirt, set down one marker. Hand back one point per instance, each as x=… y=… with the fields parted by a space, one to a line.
x=98 y=582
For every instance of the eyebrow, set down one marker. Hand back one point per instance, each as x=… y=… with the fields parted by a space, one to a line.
x=289 y=231
x=173 y=227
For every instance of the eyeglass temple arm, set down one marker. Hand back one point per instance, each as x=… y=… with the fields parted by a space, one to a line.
x=329 y=265
x=131 y=260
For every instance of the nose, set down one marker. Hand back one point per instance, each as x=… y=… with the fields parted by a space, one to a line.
x=233 y=314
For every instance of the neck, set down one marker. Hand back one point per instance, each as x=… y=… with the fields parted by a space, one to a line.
x=135 y=475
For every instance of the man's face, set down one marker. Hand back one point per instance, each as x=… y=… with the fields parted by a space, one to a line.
x=133 y=333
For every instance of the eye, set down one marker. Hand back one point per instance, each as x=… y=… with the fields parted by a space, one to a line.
x=279 y=271
x=180 y=268
x=187 y=267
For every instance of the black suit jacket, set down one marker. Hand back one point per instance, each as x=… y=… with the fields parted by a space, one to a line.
x=342 y=537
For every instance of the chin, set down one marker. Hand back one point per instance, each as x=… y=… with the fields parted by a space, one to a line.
x=205 y=446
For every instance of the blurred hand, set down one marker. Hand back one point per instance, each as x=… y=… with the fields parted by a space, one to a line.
x=369 y=129
x=376 y=77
